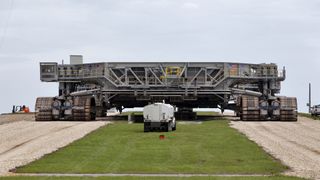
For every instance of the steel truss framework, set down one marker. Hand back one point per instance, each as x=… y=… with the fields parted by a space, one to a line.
x=183 y=84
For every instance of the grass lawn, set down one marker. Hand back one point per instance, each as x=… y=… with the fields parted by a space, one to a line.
x=211 y=147
x=205 y=113
x=199 y=113
x=152 y=178
x=138 y=113
x=309 y=116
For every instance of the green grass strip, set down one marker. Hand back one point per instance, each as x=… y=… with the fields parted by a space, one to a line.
x=210 y=148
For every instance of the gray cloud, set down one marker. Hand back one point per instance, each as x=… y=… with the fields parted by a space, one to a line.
x=286 y=32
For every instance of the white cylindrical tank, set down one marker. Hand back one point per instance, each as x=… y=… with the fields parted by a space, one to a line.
x=159 y=116
x=158 y=112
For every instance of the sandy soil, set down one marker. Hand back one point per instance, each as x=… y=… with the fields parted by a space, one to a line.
x=22 y=142
x=296 y=144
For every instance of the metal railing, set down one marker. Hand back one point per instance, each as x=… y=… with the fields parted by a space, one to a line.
x=74 y=74
x=276 y=74
x=78 y=74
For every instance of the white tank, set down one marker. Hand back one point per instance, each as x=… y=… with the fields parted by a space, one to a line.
x=159 y=116
x=158 y=112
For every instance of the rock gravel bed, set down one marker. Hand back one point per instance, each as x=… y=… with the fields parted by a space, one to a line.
x=22 y=142
x=296 y=144
x=8 y=118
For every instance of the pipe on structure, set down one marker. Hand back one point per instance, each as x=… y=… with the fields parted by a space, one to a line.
x=246 y=92
x=84 y=92
x=309 y=104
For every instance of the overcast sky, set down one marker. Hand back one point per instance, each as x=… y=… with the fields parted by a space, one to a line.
x=286 y=32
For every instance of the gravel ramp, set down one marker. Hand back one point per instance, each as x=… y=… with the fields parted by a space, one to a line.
x=22 y=142
x=295 y=144
x=9 y=118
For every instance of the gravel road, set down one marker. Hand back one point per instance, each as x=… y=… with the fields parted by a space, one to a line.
x=295 y=144
x=22 y=142
x=9 y=118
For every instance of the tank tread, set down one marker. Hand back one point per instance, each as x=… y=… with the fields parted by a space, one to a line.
x=83 y=109
x=43 y=109
x=252 y=115
x=288 y=110
x=249 y=108
x=288 y=115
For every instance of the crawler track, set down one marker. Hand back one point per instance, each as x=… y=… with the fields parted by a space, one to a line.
x=43 y=109
x=83 y=109
x=251 y=108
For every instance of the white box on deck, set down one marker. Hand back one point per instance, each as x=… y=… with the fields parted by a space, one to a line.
x=158 y=112
x=76 y=59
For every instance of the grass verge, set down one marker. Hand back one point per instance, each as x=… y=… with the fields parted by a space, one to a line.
x=199 y=113
x=152 y=178
x=211 y=147
x=205 y=113
x=309 y=116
